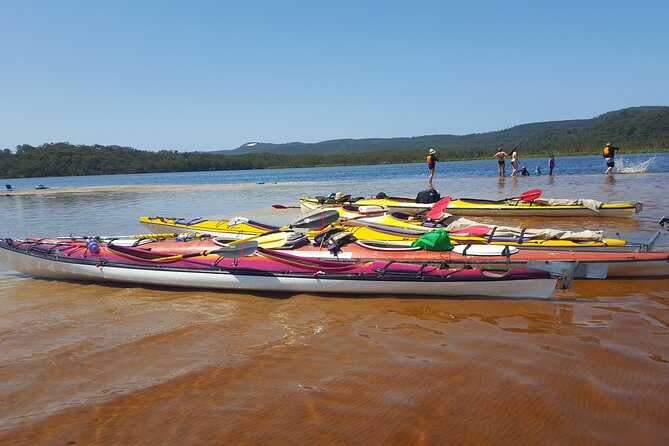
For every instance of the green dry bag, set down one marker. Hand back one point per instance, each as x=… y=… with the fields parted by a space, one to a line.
x=435 y=240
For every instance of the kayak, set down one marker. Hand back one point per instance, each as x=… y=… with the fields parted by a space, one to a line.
x=267 y=271
x=497 y=257
x=385 y=232
x=456 y=225
x=233 y=229
x=619 y=264
x=397 y=233
x=510 y=207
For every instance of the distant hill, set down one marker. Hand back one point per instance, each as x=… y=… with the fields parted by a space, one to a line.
x=635 y=128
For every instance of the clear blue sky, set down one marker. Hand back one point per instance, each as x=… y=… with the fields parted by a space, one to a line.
x=210 y=75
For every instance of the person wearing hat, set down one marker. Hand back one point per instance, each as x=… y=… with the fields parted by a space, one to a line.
x=432 y=159
x=609 y=153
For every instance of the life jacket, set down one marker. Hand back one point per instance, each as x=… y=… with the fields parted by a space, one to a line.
x=431 y=160
x=607 y=152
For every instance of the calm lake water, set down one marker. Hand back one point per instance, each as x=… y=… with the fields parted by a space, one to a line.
x=648 y=163
x=98 y=364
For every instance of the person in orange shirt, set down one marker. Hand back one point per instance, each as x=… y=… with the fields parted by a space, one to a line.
x=609 y=154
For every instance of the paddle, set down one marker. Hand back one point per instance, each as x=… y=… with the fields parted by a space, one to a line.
x=438 y=208
x=267 y=241
x=313 y=220
x=283 y=206
x=231 y=251
x=529 y=195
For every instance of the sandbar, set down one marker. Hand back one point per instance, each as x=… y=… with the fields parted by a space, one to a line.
x=147 y=187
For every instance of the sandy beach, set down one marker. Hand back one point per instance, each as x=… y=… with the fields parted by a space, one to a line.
x=148 y=187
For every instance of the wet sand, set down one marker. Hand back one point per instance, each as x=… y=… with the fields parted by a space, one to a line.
x=144 y=188
x=93 y=364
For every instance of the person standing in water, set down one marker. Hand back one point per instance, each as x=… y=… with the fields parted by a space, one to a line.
x=609 y=154
x=551 y=164
x=501 y=164
x=514 y=161
x=432 y=159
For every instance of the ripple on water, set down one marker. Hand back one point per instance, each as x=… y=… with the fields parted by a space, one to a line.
x=84 y=362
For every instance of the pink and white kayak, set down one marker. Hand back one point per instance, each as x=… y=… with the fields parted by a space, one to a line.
x=265 y=270
x=495 y=257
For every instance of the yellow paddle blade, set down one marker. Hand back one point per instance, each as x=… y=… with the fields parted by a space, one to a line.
x=271 y=241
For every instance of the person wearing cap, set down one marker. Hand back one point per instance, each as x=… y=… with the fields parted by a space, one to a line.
x=609 y=153
x=432 y=159
x=501 y=164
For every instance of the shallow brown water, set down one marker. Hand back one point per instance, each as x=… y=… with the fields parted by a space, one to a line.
x=99 y=364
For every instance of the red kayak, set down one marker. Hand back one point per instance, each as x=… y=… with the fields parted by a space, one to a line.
x=619 y=264
x=241 y=268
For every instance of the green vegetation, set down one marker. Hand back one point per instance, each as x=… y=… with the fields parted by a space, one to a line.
x=641 y=129
x=638 y=129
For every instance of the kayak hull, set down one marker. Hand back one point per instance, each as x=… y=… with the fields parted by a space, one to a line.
x=71 y=261
x=219 y=228
x=620 y=264
x=567 y=211
x=496 y=257
x=489 y=209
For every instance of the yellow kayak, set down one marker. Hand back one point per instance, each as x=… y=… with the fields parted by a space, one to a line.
x=235 y=230
x=514 y=206
x=395 y=233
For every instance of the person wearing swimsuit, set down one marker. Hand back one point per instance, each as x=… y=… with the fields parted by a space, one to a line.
x=501 y=164
x=514 y=161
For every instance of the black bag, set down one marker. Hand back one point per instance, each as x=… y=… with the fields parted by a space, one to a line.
x=427 y=196
x=334 y=239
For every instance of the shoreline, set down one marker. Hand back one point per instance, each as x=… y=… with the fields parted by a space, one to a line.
x=145 y=188
x=530 y=155
x=223 y=186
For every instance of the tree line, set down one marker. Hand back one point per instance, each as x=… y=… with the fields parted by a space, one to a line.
x=64 y=159
x=637 y=128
